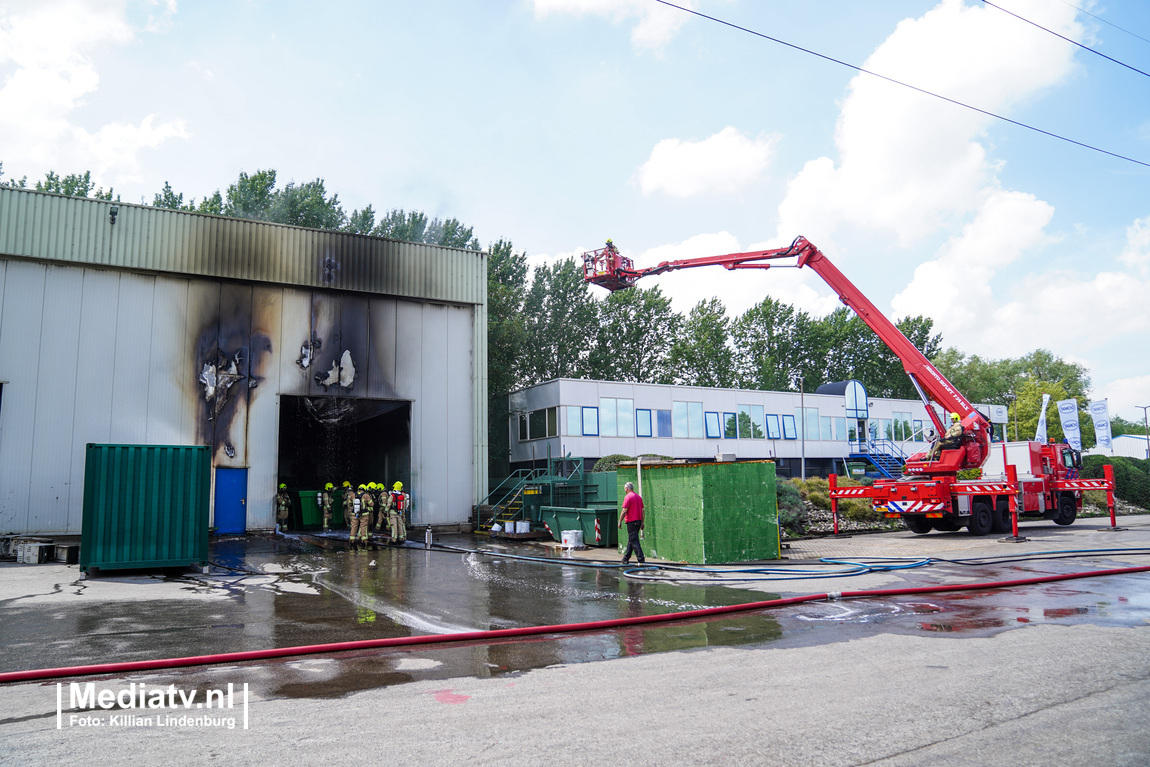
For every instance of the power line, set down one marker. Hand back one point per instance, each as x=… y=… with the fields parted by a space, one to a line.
x=1104 y=21
x=905 y=85
x=1067 y=39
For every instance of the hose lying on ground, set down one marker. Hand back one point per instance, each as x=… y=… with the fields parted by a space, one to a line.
x=482 y=636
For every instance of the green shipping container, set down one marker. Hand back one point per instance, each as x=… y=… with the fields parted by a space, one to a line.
x=145 y=506
x=707 y=513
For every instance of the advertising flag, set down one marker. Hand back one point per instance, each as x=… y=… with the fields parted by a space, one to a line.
x=1040 y=435
x=1068 y=414
x=1100 y=414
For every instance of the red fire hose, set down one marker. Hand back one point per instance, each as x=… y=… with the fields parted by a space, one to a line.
x=366 y=644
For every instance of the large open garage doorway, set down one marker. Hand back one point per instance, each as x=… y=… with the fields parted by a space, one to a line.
x=333 y=439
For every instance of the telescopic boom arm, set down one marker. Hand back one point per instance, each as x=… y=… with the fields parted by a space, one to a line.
x=608 y=268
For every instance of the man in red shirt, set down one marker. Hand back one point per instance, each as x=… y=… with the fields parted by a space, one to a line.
x=633 y=516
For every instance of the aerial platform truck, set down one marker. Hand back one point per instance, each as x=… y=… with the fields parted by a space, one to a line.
x=1030 y=478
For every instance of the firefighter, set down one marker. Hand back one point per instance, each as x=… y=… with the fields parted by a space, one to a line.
x=360 y=518
x=397 y=503
x=283 y=507
x=325 y=501
x=951 y=440
x=379 y=496
x=348 y=502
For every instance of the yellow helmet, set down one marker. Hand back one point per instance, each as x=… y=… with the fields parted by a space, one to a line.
x=346 y=483
x=363 y=487
x=954 y=417
x=283 y=486
x=397 y=486
x=328 y=486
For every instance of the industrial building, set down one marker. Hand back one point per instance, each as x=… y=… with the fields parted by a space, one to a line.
x=298 y=356
x=591 y=419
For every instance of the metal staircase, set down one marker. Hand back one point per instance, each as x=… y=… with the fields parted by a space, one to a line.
x=885 y=455
x=505 y=502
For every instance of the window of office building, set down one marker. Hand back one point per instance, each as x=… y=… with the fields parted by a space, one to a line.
x=711 y=422
x=642 y=423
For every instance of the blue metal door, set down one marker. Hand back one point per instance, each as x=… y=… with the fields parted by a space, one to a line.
x=231 y=501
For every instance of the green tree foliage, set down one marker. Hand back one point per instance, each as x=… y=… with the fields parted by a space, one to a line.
x=361 y=221
x=307 y=205
x=213 y=203
x=72 y=185
x=767 y=344
x=635 y=332
x=251 y=196
x=1119 y=425
x=402 y=225
x=701 y=354
x=1131 y=476
x=560 y=322
x=169 y=199
x=15 y=184
x=506 y=335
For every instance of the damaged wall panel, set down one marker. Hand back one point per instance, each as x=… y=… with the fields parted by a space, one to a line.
x=324 y=340
x=294 y=351
x=460 y=460
x=434 y=420
x=169 y=419
x=380 y=378
x=235 y=348
x=263 y=404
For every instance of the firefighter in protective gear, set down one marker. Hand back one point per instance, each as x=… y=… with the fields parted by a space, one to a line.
x=325 y=501
x=951 y=440
x=397 y=503
x=360 y=517
x=348 y=502
x=283 y=506
x=379 y=495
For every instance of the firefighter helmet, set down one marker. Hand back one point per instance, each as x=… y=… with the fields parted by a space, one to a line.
x=328 y=486
x=397 y=486
x=283 y=486
x=954 y=417
x=363 y=487
x=346 y=483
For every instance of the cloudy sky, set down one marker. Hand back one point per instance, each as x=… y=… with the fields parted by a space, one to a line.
x=559 y=123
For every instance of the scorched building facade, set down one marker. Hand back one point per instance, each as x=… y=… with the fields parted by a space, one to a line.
x=299 y=356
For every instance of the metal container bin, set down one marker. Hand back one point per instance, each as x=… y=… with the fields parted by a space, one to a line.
x=310 y=514
x=145 y=506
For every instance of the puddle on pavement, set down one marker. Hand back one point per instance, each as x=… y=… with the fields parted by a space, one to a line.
x=306 y=595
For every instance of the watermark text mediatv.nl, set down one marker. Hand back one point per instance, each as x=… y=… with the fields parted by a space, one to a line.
x=144 y=705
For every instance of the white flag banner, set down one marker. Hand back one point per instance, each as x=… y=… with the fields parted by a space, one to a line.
x=1068 y=414
x=1040 y=435
x=1100 y=413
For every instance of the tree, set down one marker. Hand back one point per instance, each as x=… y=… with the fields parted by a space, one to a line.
x=402 y=225
x=506 y=334
x=1119 y=425
x=72 y=185
x=635 y=332
x=169 y=199
x=213 y=203
x=308 y=205
x=361 y=221
x=451 y=234
x=702 y=354
x=767 y=346
x=560 y=323
x=251 y=196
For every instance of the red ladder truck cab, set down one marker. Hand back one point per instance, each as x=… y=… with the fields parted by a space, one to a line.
x=928 y=495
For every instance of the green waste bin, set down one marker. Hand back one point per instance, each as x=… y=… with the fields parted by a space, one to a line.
x=856 y=469
x=560 y=518
x=311 y=516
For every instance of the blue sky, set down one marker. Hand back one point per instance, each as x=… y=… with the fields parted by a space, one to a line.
x=559 y=123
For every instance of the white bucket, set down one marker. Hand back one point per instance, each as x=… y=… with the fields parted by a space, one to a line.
x=572 y=539
x=523 y=526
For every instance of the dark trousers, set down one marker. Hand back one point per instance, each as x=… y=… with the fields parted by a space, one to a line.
x=633 y=542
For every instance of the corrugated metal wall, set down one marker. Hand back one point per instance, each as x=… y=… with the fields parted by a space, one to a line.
x=77 y=230
x=111 y=356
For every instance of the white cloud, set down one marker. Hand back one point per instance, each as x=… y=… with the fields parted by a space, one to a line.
x=1125 y=395
x=45 y=60
x=655 y=24
x=1137 y=252
x=910 y=165
x=723 y=163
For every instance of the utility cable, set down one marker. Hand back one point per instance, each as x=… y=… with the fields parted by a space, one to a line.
x=1104 y=21
x=923 y=91
x=1067 y=39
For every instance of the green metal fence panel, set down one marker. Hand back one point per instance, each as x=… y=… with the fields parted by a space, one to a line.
x=707 y=513
x=145 y=506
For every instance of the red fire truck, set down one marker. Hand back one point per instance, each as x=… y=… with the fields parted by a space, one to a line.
x=1034 y=478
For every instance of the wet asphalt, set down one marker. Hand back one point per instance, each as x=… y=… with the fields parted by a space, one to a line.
x=288 y=591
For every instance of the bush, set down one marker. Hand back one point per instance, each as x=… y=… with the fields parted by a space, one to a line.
x=611 y=462
x=1131 y=476
x=816 y=491
x=970 y=474
x=792 y=511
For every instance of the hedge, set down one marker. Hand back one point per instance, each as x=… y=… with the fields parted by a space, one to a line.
x=1131 y=476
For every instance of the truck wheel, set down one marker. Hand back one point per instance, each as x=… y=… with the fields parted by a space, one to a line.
x=981 y=519
x=1002 y=522
x=1067 y=511
x=917 y=524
